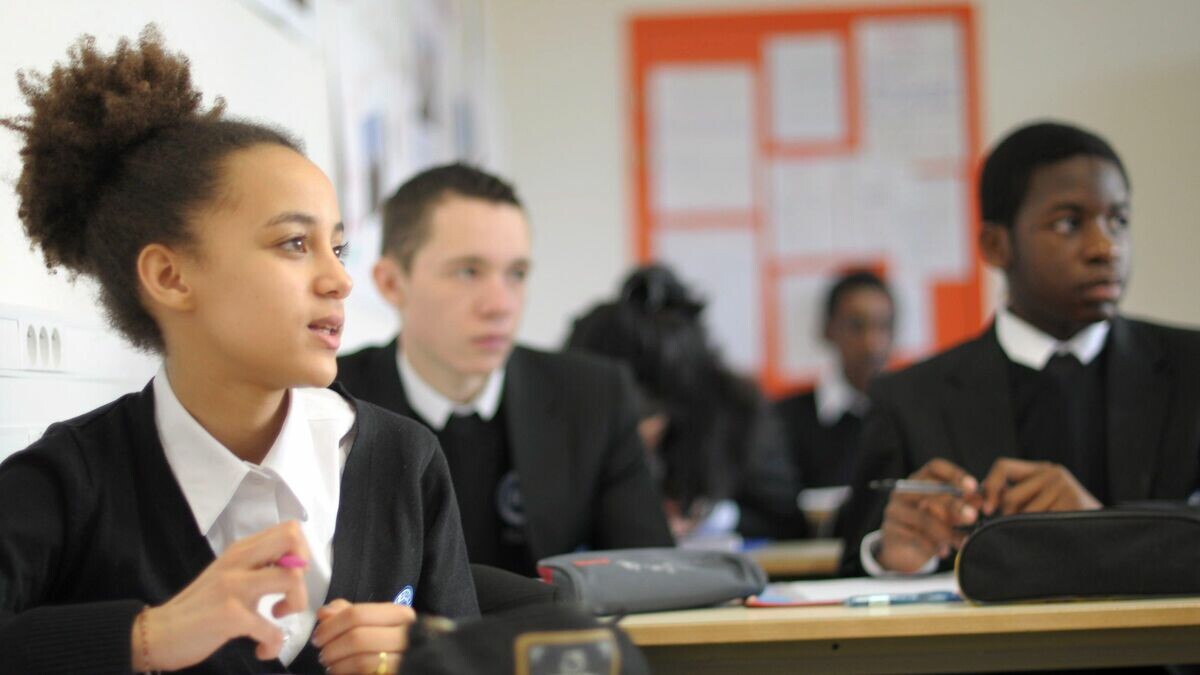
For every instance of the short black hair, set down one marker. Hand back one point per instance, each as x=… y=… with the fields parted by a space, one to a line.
x=1004 y=180
x=406 y=213
x=851 y=281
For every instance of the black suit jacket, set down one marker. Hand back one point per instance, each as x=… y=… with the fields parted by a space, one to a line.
x=957 y=406
x=823 y=455
x=572 y=427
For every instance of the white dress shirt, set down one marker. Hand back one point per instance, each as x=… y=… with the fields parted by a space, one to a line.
x=1030 y=347
x=299 y=479
x=1022 y=343
x=835 y=396
x=435 y=408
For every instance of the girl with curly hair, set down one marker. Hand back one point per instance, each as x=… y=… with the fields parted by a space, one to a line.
x=235 y=515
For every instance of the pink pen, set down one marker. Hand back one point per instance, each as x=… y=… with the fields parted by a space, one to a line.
x=292 y=562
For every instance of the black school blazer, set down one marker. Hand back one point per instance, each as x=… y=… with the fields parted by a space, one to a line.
x=93 y=526
x=572 y=427
x=957 y=405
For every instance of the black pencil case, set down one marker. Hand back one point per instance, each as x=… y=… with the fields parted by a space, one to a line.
x=1109 y=553
x=634 y=580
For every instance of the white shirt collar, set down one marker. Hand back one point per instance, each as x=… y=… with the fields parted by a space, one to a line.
x=435 y=408
x=209 y=474
x=835 y=396
x=1024 y=344
x=299 y=479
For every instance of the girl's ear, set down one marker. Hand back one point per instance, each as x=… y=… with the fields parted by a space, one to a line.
x=160 y=272
x=391 y=280
x=995 y=245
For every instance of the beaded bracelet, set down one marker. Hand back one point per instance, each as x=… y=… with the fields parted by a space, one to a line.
x=142 y=631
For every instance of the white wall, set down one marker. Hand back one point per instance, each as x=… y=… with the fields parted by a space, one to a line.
x=1130 y=70
x=263 y=72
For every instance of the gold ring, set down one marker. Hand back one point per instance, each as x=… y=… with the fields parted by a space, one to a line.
x=382 y=668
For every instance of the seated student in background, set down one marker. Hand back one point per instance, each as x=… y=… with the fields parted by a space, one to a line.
x=1063 y=403
x=823 y=425
x=143 y=535
x=543 y=448
x=716 y=449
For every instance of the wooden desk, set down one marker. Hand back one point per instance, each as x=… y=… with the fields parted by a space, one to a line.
x=924 y=638
x=804 y=558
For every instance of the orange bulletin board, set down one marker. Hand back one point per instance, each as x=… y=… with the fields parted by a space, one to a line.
x=773 y=149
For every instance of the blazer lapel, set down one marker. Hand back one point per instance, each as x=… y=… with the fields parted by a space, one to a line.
x=1138 y=388
x=541 y=440
x=978 y=407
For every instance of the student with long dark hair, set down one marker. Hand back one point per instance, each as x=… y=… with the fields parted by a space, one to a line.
x=716 y=447
x=234 y=515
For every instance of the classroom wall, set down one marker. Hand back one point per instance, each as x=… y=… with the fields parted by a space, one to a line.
x=263 y=71
x=1130 y=70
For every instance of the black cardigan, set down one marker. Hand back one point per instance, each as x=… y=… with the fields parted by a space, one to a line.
x=93 y=526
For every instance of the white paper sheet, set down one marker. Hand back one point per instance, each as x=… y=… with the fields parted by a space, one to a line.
x=701 y=138
x=915 y=321
x=838 y=590
x=808 y=90
x=722 y=265
x=800 y=308
x=936 y=216
x=913 y=88
x=808 y=198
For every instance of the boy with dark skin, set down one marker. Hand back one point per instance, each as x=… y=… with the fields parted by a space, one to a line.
x=823 y=425
x=1063 y=404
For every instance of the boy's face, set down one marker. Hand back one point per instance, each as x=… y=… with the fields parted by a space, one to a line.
x=462 y=296
x=1067 y=256
x=861 y=329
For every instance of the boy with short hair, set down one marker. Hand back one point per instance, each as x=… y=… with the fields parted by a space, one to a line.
x=1063 y=403
x=543 y=448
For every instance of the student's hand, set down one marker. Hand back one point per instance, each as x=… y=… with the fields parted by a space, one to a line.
x=222 y=604
x=352 y=636
x=1021 y=486
x=918 y=527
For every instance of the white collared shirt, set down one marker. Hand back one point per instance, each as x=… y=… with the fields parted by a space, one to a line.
x=835 y=396
x=1030 y=347
x=299 y=479
x=435 y=408
x=1024 y=344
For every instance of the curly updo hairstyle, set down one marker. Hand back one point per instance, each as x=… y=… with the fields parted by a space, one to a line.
x=118 y=153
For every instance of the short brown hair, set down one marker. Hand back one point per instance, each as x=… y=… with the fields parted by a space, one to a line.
x=406 y=213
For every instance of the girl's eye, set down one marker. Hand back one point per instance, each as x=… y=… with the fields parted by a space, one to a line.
x=295 y=245
x=466 y=272
x=341 y=250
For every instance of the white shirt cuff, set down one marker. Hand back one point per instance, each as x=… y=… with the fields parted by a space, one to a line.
x=872 y=566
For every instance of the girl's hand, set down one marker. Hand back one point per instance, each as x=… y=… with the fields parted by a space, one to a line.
x=352 y=637
x=222 y=604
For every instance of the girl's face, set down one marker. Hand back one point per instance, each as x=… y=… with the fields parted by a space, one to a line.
x=266 y=275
